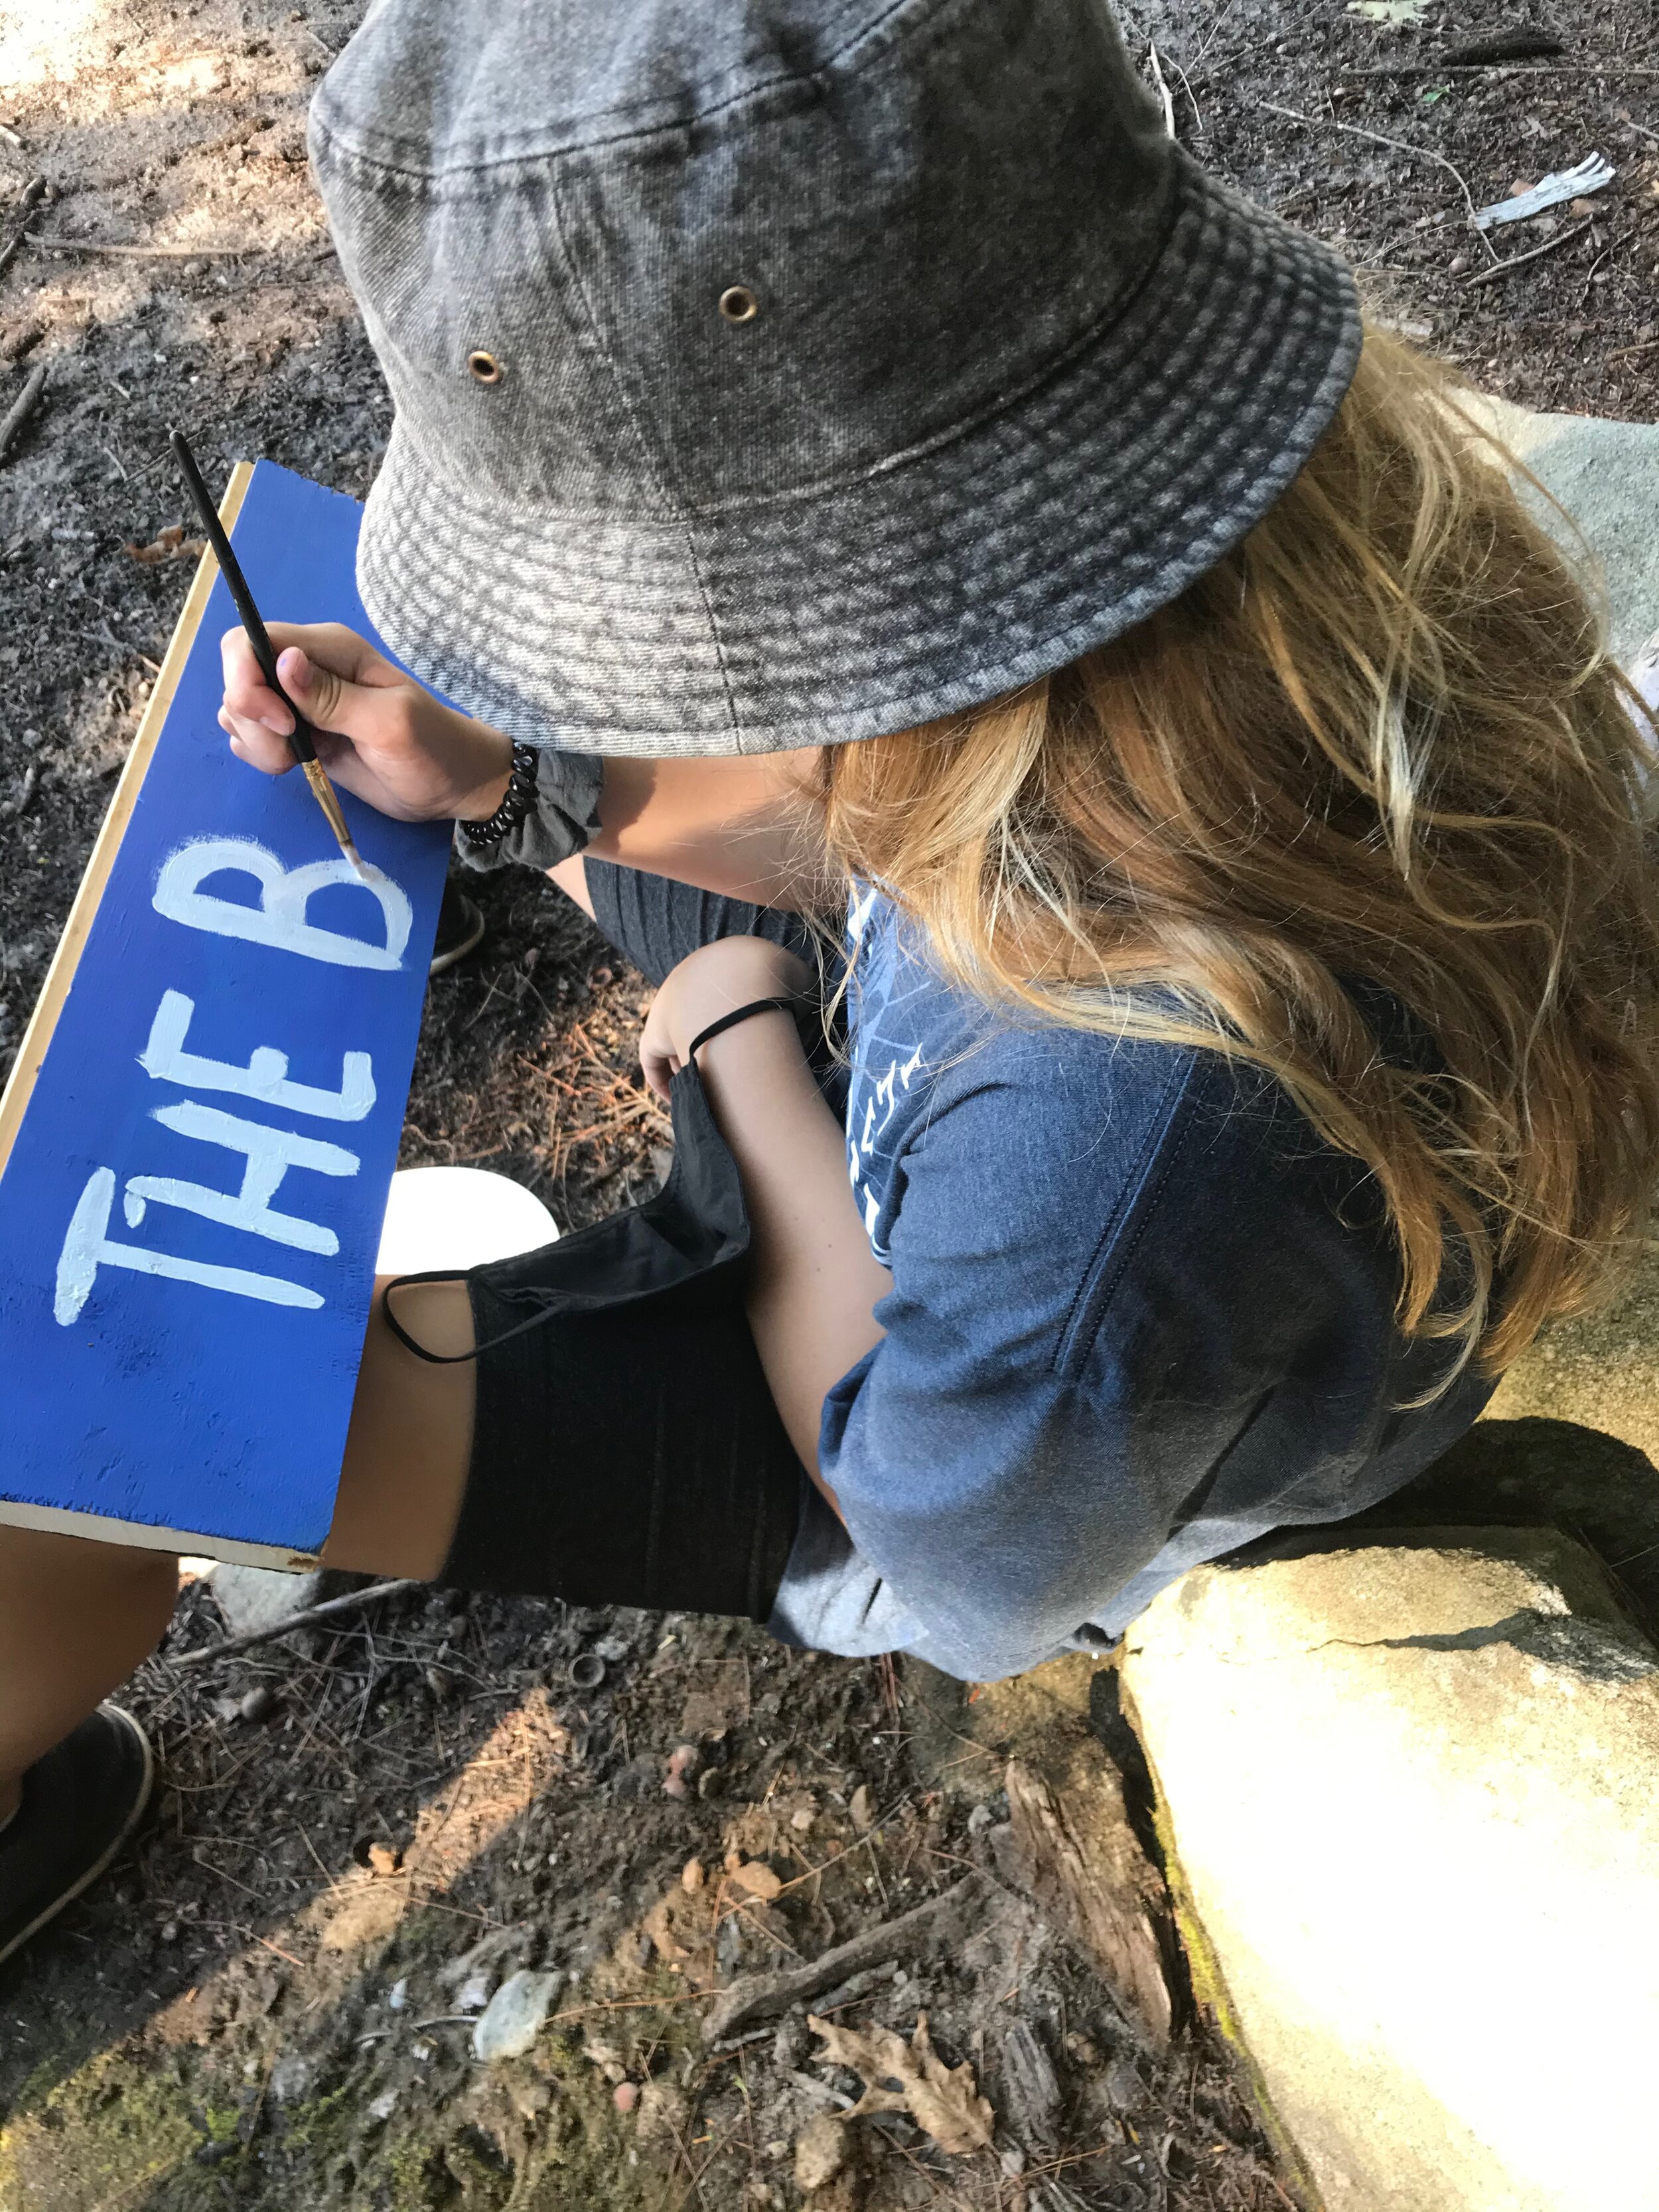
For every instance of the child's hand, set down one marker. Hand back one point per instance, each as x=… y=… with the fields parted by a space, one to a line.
x=379 y=734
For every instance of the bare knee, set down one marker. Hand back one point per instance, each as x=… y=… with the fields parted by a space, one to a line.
x=411 y=1438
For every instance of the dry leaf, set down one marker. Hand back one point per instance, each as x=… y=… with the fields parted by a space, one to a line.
x=169 y=544
x=942 y=2100
x=758 y=1879
x=863 y=1809
x=692 y=1876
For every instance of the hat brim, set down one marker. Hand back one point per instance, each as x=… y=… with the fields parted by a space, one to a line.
x=945 y=578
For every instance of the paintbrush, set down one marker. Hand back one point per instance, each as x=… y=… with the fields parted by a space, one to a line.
x=302 y=738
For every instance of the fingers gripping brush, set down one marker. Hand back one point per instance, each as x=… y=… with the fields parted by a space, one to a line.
x=302 y=738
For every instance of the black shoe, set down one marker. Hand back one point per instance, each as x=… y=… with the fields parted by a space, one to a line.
x=80 y=1804
x=460 y=930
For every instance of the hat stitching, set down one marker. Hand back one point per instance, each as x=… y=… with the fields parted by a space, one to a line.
x=644 y=431
x=874 y=718
x=877 y=34
x=1245 y=468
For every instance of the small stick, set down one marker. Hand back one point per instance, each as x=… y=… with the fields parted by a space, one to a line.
x=55 y=244
x=326 y=1611
x=1164 y=92
x=33 y=191
x=22 y=408
x=1400 y=145
x=1533 y=253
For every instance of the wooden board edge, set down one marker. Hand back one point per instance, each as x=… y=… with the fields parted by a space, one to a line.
x=147 y=1536
x=36 y=1038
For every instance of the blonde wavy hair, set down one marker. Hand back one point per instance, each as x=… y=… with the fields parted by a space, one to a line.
x=1380 y=741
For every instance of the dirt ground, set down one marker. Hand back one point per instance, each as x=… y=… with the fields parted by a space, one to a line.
x=360 y=1830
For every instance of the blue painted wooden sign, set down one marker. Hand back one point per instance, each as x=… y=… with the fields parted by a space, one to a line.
x=202 y=1126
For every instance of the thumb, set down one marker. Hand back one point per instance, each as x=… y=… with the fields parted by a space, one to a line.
x=361 y=711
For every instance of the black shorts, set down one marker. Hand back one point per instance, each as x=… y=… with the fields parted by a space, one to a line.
x=626 y=1449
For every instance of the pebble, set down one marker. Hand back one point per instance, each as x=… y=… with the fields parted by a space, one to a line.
x=801 y=1822
x=475 y=1993
x=396 y=1997
x=676 y=1785
x=169 y=1931
x=382 y=2107
x=625 y=2096
x=979 y=1819
x=820 y=2152
x=258 y=1704
x=684 y=1759
x=693 y=1875
x=290 y=2077
x=1122 y=2086
x=512 y=2018
x=1458 y=266
x=613 y=1649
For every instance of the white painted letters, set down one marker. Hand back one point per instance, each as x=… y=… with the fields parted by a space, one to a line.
x=270 y=1154
x=264 y=1077
x=279 y=920
x=88 y=1247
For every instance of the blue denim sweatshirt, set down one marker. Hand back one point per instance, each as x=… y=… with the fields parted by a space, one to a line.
x=1139 y=1315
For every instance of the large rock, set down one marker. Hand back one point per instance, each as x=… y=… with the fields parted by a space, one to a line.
x=1605 y=475
x=1602 y=1372
x=1411 y=1794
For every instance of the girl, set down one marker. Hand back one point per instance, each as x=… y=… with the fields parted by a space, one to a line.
x=851 y=468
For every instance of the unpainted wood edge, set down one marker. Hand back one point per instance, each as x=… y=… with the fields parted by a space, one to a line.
x=54 y=992
x=149 y=1536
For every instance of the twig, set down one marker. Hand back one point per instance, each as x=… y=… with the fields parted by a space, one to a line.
x=33 y=192
x=763 y=1996
x=1532 y=254
x=1164 y=92
x=22 y=408
x=1629 y=353
x=52 y=244
x=1400 y=145
x=326 y=1611
x=1186 y=87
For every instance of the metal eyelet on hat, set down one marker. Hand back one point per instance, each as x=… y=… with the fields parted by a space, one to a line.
x=738 y=304
x=484 y=367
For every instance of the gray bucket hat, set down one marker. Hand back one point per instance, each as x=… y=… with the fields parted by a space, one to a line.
x=778 y=372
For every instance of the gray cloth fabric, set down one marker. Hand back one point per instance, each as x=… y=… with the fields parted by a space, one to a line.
x=564 y=816
x=1016 y=370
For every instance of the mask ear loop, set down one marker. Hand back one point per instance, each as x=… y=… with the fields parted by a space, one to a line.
x=782 y=1005
x=451 y=1358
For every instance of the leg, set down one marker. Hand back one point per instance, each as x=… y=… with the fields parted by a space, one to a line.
x=76 y=1617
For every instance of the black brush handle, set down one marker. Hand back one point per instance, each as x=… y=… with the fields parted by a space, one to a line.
x=301 y=737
